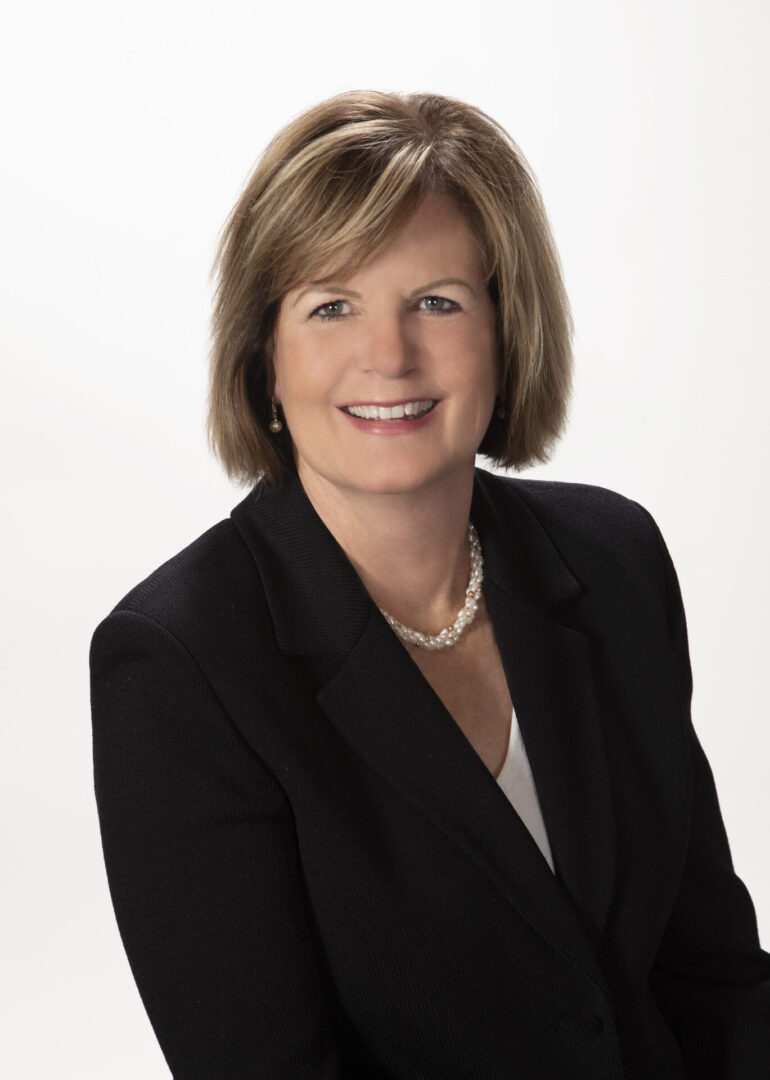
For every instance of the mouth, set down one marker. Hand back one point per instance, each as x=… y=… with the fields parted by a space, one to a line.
x=405 y=410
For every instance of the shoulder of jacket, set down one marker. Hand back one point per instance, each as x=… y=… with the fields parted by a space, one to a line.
x=572 y=502
x=212 y=578
x=587 y=521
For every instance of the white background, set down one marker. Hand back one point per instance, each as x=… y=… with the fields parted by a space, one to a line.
x=128 y=131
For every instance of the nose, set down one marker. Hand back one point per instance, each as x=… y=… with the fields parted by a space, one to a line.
x=387 y=349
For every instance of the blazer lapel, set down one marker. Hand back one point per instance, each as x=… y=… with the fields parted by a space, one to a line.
x=378 y=699
x=529 y=590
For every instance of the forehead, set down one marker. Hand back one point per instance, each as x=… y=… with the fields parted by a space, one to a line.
x=439 y=223
x=437 y=239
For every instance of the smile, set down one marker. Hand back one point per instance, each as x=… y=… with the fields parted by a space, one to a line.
x=409 y=410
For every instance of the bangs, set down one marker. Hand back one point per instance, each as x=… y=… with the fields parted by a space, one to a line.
x=338 y=213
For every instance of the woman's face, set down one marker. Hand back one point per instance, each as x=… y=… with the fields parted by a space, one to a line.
x=414 y=326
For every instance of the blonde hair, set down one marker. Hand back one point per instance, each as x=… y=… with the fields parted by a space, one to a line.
x=328 y=192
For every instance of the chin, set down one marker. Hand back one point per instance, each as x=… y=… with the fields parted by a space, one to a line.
x=393 y=478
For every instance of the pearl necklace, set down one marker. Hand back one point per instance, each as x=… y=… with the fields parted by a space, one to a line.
x=465 y=616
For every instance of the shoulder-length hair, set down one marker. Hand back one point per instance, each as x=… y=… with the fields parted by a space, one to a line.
x=328 y=192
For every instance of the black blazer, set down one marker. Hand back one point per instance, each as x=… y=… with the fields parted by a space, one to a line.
x=315 y=875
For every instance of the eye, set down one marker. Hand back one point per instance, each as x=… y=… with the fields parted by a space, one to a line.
x=328 y=312
x=439 y=305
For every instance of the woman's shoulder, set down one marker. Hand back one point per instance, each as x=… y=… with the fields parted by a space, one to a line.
x=212 y=579
x=591 y=525
x=564 y=503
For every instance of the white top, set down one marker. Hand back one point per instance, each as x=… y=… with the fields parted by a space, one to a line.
x=515 y=779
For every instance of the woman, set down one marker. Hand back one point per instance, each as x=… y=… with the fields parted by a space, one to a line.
x=348 y=831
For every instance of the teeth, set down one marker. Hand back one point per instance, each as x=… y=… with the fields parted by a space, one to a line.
x=394 y=412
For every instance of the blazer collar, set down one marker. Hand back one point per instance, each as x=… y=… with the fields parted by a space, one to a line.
x=306 y=574
x=380 y=702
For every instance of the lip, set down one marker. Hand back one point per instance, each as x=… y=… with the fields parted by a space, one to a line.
x=385 y=404
x=393 y=427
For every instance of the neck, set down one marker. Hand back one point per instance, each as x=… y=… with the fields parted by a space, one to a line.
x=410 y=549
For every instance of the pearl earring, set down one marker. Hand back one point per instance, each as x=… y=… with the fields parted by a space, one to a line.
x=275 y=423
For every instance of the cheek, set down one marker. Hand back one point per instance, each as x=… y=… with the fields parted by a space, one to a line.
x=473 y=360
x=301 y=371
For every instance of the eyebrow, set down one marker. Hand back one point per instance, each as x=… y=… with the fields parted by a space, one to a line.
x=332 y=286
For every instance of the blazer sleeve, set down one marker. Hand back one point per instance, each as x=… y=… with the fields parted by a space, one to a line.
x=711 y=978
x=203 y=869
